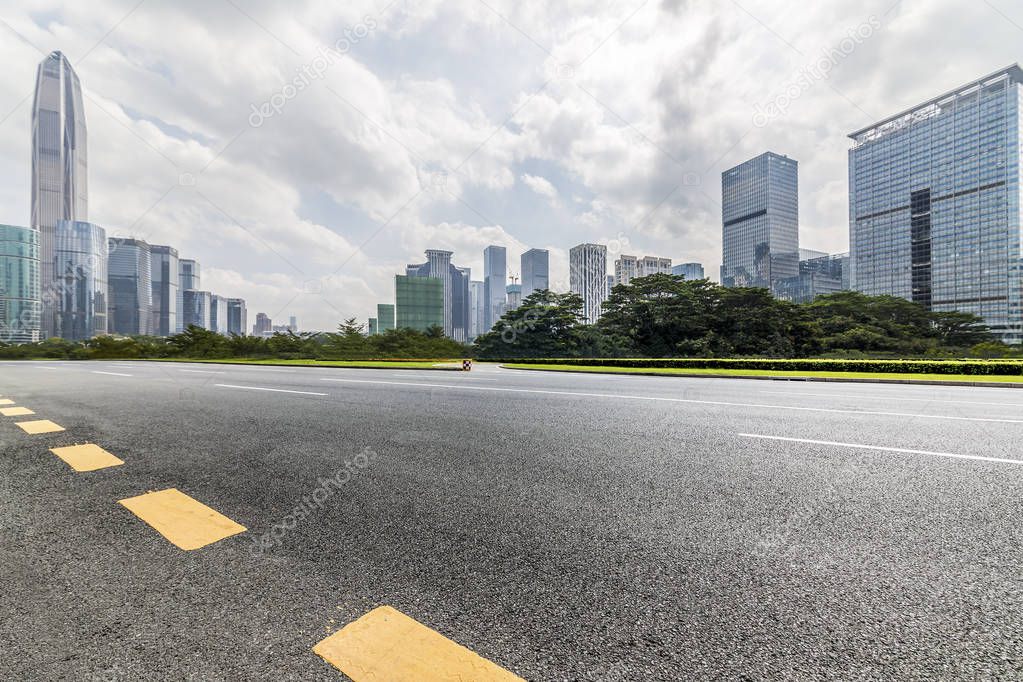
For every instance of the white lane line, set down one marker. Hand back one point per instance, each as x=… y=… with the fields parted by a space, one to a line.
x=275 y=390
x=891 y=397
x=860 y=446
x=619 y=396
x=201 y=371
x=113 y=374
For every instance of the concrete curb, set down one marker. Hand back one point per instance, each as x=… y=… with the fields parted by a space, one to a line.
x=281 y=364
x=850 y=380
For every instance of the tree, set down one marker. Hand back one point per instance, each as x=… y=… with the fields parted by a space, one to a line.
x=545 y=324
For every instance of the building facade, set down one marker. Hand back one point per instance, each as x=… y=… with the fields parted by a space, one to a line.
x=164 y=270
x=237 y=317
x=514 y=296
x=588 y=277
x=218 y=314
x=536 y=271
x=59 y=166
x=934 y=203
x=188 y=278
x=455 y=283
x=689 y=270
x=760 y=221
x=477 y=309
x=20 y=306
x=385 y=316
x=130 y=285
x=197 y=309
x=495 y=279
x=80 y=285
x=263 y=325
x=628 y=268
x=419 y=302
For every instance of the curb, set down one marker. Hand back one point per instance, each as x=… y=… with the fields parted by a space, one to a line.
x=281 y=364
x=850 y=380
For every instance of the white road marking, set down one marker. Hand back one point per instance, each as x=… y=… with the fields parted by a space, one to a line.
x=890 y=397
x=113 y=374
x=201 y=371
x=275 y=390
x=860 y=446
x=619 y=396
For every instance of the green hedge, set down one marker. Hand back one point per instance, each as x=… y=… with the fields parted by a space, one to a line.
x=1001 y=368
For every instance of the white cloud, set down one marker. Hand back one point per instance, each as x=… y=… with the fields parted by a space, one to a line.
x=541 y=186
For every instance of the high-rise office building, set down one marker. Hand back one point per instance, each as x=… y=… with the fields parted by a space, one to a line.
x=689 y=270
x=610 y=284
x=455 y=282
x=293 y=323
x=164 y=269
x=237 y=317
x=495 y=279
x=419 y=302
x=536 y=271
x=514 y=294
x=372 y=328
x=628 y=268
x=218 y=314
x=819 y=274
x=80 y=284
x=588 y=277
x=760 y=221
x=130 y=286
x=197 y=309
x=20 y=307
x=263 y=325
x=385 y=316
x=188 y=278
x=59 y=167
x=934 y=203
x=477 y=309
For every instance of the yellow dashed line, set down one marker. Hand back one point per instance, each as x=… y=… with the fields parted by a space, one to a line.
x=86 y=457
x=186 y=522
x=40 y=426
x=15 y=411
x=6 y=401
x=385 y=644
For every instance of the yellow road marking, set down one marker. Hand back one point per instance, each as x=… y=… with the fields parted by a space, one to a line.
x=15 y=411
x=40 y=426
x=186 y=522
x=385 y=644
x=86 y=457
x=6 y=401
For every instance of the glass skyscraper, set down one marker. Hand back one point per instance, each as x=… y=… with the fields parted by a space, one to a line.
x=130 y=286
x=760 y=221
x=80 y=285
x=455 y=281
x=588 y=278
x=19 y=285
x=197 y=308
x=218 y=314
x=419 y=302
x=934 y=203
x=385 y=316
x=536 y=271
x=59 y=166
x=164 y=270
x=689 y=270
x=237 y=317
x=495 y=279
x=188 y=278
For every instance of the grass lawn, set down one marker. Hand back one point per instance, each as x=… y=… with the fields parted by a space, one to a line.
x=365 y=364
x=771 y=373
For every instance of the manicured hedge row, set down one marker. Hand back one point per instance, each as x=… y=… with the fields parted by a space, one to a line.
x=1003 y=368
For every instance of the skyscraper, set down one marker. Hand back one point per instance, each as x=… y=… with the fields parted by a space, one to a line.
x=689 y=270
x=629 y=267
x=19 y=285
x=934 y=203
x=263 y=325
x=197 y=309
x=419 y=302
x=130 y=286
x=536 y=271
x=164 y=267
x=588 y=277
x=237 y=317
x=79 y=292
x=760 y=221
x=495 y=279
x=188 y=278
x=514 y=296
x=218 y=314
x=385 y=316
x=59 y=166
x=477 y=309
x=455 y=282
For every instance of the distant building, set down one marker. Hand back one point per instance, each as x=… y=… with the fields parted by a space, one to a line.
x=218 y=314
x=188 y=278
x=197 y=309
x=262 y=326
x=371 y=327
x=588 y=277
x=690 y=271
x=455 y=283
x=818 y=275
x=385 y=316
x=237 y=317
x=164 y=269
x=628 y=268
x=419 y=302
x=80 y=271
x=760 y=221
x=130 y=286
x=293 y=323
x=934 y=203
x=477 y=309
x=20 y=307
x=495 y=279
x=610 y=284
x=536 y=271
x=514 y=293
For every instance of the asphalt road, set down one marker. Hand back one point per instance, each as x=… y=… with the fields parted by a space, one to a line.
x=563 y=526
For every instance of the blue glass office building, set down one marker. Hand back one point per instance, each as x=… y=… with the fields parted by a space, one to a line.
x=130 y=285
x=760 y=221
x=934 y=203
x=80 y=280
x=20 y=307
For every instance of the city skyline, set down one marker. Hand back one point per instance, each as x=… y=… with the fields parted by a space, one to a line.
x=289 y=236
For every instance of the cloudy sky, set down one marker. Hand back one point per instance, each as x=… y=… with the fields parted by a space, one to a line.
x=303 y=152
